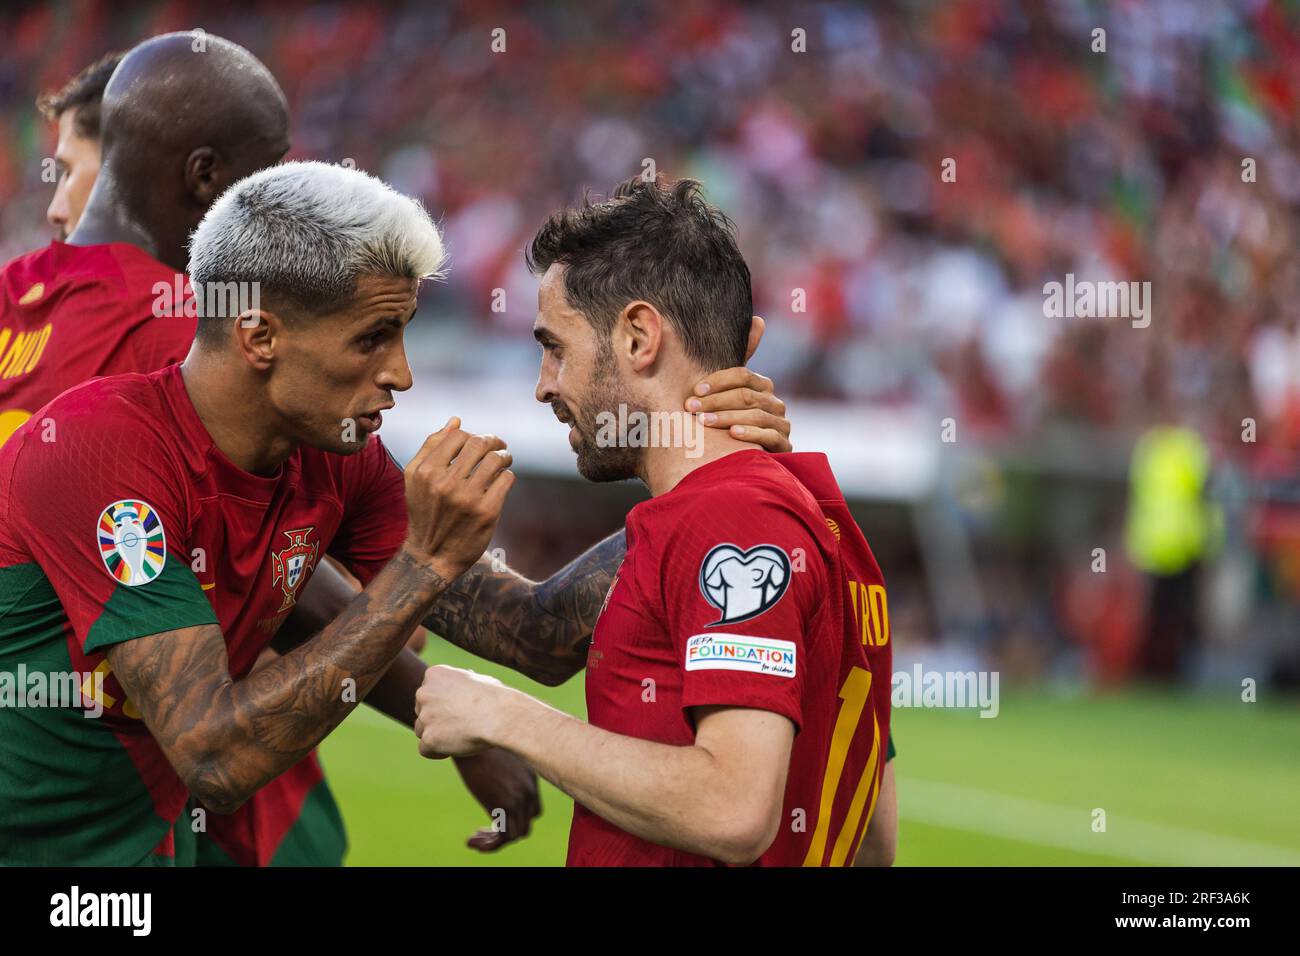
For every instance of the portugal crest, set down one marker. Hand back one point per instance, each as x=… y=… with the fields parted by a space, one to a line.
x=131 y=542
x=291 y=565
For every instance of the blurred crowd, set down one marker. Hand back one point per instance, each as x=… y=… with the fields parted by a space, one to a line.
x=1164 y=149
x=882 y=281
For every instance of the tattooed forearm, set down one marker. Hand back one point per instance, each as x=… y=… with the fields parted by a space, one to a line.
x=227 y=738
x=540 y=629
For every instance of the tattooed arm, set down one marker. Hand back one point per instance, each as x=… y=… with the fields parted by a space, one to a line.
x=324 y=598
x=497 y=780
x=540 y=629
x=227 y=738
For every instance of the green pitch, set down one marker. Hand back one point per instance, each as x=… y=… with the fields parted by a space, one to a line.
x=1181 y=780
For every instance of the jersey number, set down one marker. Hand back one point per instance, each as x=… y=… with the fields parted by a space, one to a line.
x=854 y=695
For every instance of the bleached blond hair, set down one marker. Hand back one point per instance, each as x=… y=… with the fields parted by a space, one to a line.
x=307 y=231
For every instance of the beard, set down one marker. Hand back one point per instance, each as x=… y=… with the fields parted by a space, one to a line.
x=597 y=462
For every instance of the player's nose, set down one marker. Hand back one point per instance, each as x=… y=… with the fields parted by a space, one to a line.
x=57 y=213
x=397 y=375
x=545 y=390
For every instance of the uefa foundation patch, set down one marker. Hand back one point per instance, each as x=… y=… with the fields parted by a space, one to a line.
x=132 y=542
x=740 y=652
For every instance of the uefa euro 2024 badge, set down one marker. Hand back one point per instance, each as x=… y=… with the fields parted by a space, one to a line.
x=132 y=542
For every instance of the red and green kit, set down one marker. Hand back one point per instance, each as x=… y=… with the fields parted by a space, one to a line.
x=71 y=313
x=119 y=518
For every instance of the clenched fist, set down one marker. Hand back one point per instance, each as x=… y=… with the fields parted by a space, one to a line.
x=454 y=709
x=456 y=486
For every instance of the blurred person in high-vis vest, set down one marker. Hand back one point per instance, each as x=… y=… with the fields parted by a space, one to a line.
x=1168 y=531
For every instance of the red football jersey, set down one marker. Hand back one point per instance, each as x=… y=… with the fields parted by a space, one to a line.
x=733 y=592
x=70 y=313
x=124 y=521
x=866 y=610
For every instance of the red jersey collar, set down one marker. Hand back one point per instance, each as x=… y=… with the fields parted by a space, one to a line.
x=230 y=477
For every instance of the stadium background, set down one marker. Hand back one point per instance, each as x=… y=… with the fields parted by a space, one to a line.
x=922 y=302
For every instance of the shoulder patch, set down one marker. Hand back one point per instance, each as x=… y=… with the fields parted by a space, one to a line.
x=741 y=652
x=131 y=542
x=744 y=584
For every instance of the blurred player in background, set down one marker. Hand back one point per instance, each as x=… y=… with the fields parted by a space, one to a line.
x=738 y=678
x=75 y=111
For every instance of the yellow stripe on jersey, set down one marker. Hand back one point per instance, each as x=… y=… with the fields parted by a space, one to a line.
x=865 y=786
x=854 y=693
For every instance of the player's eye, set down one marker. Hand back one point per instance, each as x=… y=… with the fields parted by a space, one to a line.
x=370 y=342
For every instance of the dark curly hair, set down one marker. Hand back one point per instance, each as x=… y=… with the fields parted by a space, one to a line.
x=664 y=244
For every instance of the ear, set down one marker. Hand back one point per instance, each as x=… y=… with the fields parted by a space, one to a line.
x=641 y=335
x=756 y=327
x=203 y=179
x=257 y=331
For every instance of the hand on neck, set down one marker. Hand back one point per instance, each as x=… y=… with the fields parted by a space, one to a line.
x=682 y=445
